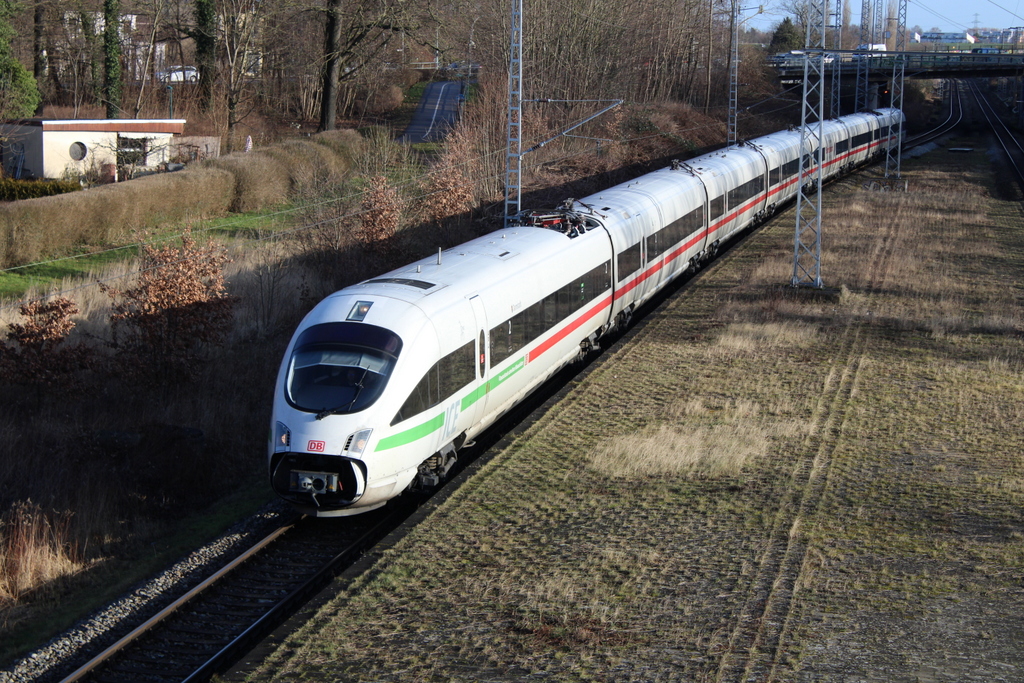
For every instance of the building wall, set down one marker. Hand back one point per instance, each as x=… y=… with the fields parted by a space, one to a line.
x=100 y=149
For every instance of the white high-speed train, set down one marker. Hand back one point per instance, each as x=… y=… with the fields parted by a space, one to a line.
x=384 y=381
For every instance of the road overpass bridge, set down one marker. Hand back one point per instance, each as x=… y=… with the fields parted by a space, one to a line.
x=917 y=65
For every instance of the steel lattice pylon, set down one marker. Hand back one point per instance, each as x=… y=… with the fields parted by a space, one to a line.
x=807 y=238
x=514 y=139
x=734 y=58
x=837 y=66
x=893 y=152
x=866 y=37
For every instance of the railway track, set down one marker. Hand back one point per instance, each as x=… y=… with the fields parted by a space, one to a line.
x=211 y=626
x=954 y=116
x=1007 y=140
x=217 y=623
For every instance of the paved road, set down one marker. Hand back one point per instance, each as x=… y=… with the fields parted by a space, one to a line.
x=437 y=113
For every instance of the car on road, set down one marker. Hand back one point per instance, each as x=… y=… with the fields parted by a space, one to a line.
x=178 y=74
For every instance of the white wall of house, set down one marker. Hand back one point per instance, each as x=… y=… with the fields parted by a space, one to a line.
x=56 y=153
x=58 y=159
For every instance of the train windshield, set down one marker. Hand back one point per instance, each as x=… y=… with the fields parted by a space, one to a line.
x=339 y=368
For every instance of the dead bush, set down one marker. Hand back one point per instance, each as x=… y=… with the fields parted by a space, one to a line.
x=37 y=353
x=381 y=100
x=449 y=190
x=382 y=211
x=178 y=307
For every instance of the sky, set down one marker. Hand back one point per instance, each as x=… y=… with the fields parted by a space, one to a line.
x=947 y=15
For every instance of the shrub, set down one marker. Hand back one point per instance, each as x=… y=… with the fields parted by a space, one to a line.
x=36 y=351
x=179 y=306
x=33 y=228
x=449 y=190
x=12 y=190
x=268 y=176
x=382 y=210
x=382 y=100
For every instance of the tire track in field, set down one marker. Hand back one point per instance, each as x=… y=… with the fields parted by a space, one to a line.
x=754 y=648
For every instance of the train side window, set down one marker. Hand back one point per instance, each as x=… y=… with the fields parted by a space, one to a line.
x=424 y=395
x=842 y=146
x=456 y=370
x=775 y=176
x=717 y=207
x=501 y=342
x=629 y=261
x=653 y=251
x=533 y=321
x=447 y=376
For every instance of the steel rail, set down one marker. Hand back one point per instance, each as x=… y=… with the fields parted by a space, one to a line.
x=953 y=118
x=93 y=663
x=372 y=535
x=1001 y=131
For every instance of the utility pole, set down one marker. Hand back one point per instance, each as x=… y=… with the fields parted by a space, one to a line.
x=893 y=152
x=837 y=62
x=514 y=139
x=866 y=37
x=734 y=64
x=807 y=237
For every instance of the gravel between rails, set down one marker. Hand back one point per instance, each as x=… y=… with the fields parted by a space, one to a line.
x=73 y=648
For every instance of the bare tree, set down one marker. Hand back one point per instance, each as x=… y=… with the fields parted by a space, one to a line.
x=354 y=35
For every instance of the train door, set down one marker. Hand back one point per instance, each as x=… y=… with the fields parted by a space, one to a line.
x=476 y=402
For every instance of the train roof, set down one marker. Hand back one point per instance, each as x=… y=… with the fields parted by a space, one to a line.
x=481 y=261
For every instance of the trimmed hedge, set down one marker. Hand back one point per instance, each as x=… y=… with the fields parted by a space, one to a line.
x=270 y=176
x=33 y=229
x=13 y=190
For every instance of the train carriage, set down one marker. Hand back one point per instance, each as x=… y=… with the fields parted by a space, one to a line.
x=384 y=381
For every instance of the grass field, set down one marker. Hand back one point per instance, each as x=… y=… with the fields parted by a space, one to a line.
x=761 y=484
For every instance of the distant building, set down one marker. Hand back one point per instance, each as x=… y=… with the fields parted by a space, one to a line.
x=43 y=148
x=999 y=36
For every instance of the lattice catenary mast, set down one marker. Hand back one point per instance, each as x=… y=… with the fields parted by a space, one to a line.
x=514 y=139
x=807 y=238
x=893 y=153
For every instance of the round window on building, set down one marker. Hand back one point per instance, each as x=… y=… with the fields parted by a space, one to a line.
x=78 y=150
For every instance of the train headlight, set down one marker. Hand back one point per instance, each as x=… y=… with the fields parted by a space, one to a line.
x=282 y=438
x=356 y=443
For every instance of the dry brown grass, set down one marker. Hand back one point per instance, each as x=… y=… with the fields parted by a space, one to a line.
x=36 y=549
x=700 y=452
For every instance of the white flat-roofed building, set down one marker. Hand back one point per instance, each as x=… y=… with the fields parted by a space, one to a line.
x=45 y=148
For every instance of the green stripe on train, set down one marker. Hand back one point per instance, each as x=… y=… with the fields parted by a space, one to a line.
x=410 y=435
x=430 y=426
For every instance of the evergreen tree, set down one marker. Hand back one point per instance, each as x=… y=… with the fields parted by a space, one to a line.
x=786 y=37
x=112 y=79
x=19 y=94
x=205 y=35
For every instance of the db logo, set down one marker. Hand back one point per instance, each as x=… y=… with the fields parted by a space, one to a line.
x=316 y=446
